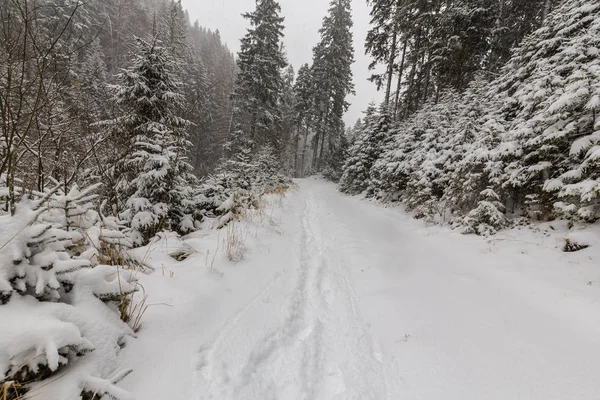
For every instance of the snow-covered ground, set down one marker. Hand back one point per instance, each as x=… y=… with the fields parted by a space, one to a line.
x=339 y=298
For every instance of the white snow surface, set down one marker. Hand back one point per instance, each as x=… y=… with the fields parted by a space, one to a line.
x=340 y=298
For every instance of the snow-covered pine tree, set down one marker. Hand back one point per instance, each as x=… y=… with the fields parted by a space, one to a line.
x=474 y=164
x=53 y=299
x=34 y=258
x=153 y=177
x=240 y=182
x=390 y=172
x=429 y=165
x=289 y=132
x=303 y=117
x=480 y=165
x=260 y=81
x=338 y=145
x=93 y=236
x=89 y=92
x=230 y=191
x=433 y=46
x=355 y=174
x=173 y=29
x=268 y=175
x=386 y=41
x=365 y=150
x=353 y=131
x=487 y=217
x=332 y=76
x=553 y=89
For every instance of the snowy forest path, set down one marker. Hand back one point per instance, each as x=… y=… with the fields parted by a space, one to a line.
x=314 y=344
x=357 y=301
x=453 y=317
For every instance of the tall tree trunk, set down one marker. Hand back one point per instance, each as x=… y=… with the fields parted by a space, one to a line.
x=438 y=91
x=315 y=162
x=253 y=128
x=321 y=151
x=427 y=70
x=390 y=71
x=296 y=149
x=420 y=82
x=324 y=129
x=304 y=151
x=10 y=183
x=411 y=79
x=40 y=168
x=400 y=74
x=495 y=43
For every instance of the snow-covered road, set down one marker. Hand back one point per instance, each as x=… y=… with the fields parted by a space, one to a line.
x=349 y=300
x=304 y=336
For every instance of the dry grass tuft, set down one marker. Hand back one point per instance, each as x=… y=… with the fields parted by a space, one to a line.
x=133 y=311
x=11 y=390
x=278 y=190
x=235 y=243
x=210 y=262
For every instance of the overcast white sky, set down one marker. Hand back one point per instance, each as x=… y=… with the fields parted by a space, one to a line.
x=302 y=21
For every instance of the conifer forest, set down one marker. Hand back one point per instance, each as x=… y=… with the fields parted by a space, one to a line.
x=187 y=218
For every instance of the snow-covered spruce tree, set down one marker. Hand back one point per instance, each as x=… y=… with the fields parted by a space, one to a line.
x=475 y=164
x=303 y=117
x=487 y=217
x=528 y=136
x=479 y=168
x=34 y=258
x=239 y=183
x=390 y=172
x=428 y=165
x=260 y=81
x=424 y=152
x=332 y=78
x=553 y=89
x=54 y=302
x=268 y=175
x=97 y=238
x=229 y=192
x=353 y=131
x=89 y=94
x=336 y=157
x=289 y=132
x=365 y=150
x=415 y=165
x=173 y=29
x=384 y=132
x=383 y=40
x=153 y=177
